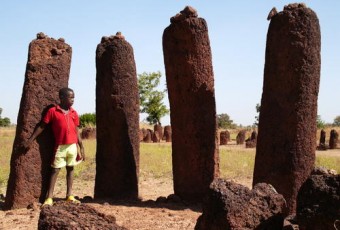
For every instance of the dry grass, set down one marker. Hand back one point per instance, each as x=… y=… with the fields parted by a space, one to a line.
x=236 y=162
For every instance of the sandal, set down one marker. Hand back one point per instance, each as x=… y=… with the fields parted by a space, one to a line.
x=48 y=202
x=72 y=200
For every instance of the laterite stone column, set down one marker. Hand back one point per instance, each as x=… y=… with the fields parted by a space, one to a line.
x=47 y=71
x=190 y=81
x=117 y=117
x=286 y=142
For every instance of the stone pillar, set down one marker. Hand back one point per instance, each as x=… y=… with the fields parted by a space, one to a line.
x=47 y=71
x=159 y=129
x=333 y=139
x=251 y=141
x=190 y=81
x=286 y=141
x=241 y=137
x=155 y=137
x=167 y=134
x=322 y=142
x=224 y=137
x=117 y=117
x=148 y=136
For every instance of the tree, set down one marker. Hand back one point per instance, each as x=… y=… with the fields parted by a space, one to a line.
x=4 y=122
x=320 y=124
x=257 y=117
x=87 y=119
x=224 y=122
x=336 y=121
x=151 y=99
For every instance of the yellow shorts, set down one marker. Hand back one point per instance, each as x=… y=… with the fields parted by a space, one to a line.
x=65 y=156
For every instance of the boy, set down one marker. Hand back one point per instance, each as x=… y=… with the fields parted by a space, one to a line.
x=64 y=121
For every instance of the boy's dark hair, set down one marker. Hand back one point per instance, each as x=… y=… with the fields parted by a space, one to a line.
x=64 y=91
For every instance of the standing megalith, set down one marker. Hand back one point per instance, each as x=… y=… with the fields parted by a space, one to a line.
x=333 y=139
x=47 y=71
x=322 y=142
x=190 y=81
x=286 y=143
x=117 y=118
x=167 y=136
x=159 y=129
x=241 y=137
x=224 y=137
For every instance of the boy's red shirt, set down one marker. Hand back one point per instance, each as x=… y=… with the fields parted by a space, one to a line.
x=64 y=126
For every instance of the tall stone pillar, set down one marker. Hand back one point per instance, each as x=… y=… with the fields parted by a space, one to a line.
x=117 y=117
x=190 y=81
x=286 y=142
x=47 y=71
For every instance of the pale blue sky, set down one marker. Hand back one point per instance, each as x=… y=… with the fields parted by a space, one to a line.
x=237 y=31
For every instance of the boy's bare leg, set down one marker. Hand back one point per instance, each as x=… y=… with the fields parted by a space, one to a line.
x=53 y=180
x=69 y=179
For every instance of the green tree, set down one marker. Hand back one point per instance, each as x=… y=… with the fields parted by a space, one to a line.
x=151 y=99
x=224 y=122
x=320 y=124
x=257 y=117
x=4 y=122
x=336 y=121
x=87 y=119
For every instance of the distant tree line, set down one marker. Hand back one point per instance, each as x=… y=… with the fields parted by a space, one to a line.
x=87 y=119
x=4 y=122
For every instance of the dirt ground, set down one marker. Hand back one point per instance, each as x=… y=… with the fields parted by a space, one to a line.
x=146 y=214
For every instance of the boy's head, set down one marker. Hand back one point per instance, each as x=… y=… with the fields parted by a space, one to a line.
x=66 y=96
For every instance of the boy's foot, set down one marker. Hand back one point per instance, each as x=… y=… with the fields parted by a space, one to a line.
x=48 y=202
x=73 y=200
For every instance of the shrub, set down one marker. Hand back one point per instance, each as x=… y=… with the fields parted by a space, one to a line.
x=87 y=119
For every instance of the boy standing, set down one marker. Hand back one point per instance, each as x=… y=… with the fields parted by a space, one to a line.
x=64 y=121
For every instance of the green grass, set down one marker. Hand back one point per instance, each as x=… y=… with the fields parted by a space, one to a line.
x=155 y=160
x=236 y=163
x=6 y=145
x=328 y=162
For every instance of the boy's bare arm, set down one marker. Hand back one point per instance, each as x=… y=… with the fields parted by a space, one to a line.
x=27 y=144
x=81 y=147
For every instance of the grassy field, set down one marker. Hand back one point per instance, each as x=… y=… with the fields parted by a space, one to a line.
x=236 y=162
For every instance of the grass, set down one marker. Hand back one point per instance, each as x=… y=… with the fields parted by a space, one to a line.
x=328 y=162
x=237 y=163
x=155 y=160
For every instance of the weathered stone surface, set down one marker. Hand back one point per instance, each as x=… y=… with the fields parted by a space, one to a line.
x=47 y=71
x=286 y=141
x=251 y=141
x=224 y=137
x=159 y=129
x=148 y=136
x=333 y=139
x=233 y=206
x=141 y=135
x=71 y=216
x=117 y=117
x=318 y=201
x=190 y=81
x=155 y=137
x=322 y=142
x=241 y=137
x=88 y=133
x=167 y=134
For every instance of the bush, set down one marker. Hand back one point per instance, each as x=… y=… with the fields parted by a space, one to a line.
x=87 y=119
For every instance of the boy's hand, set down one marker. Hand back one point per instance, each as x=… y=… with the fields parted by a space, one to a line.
x=26 y=144
x=81 y=154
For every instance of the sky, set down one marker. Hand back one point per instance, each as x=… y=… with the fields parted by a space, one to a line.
x=237 y=32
